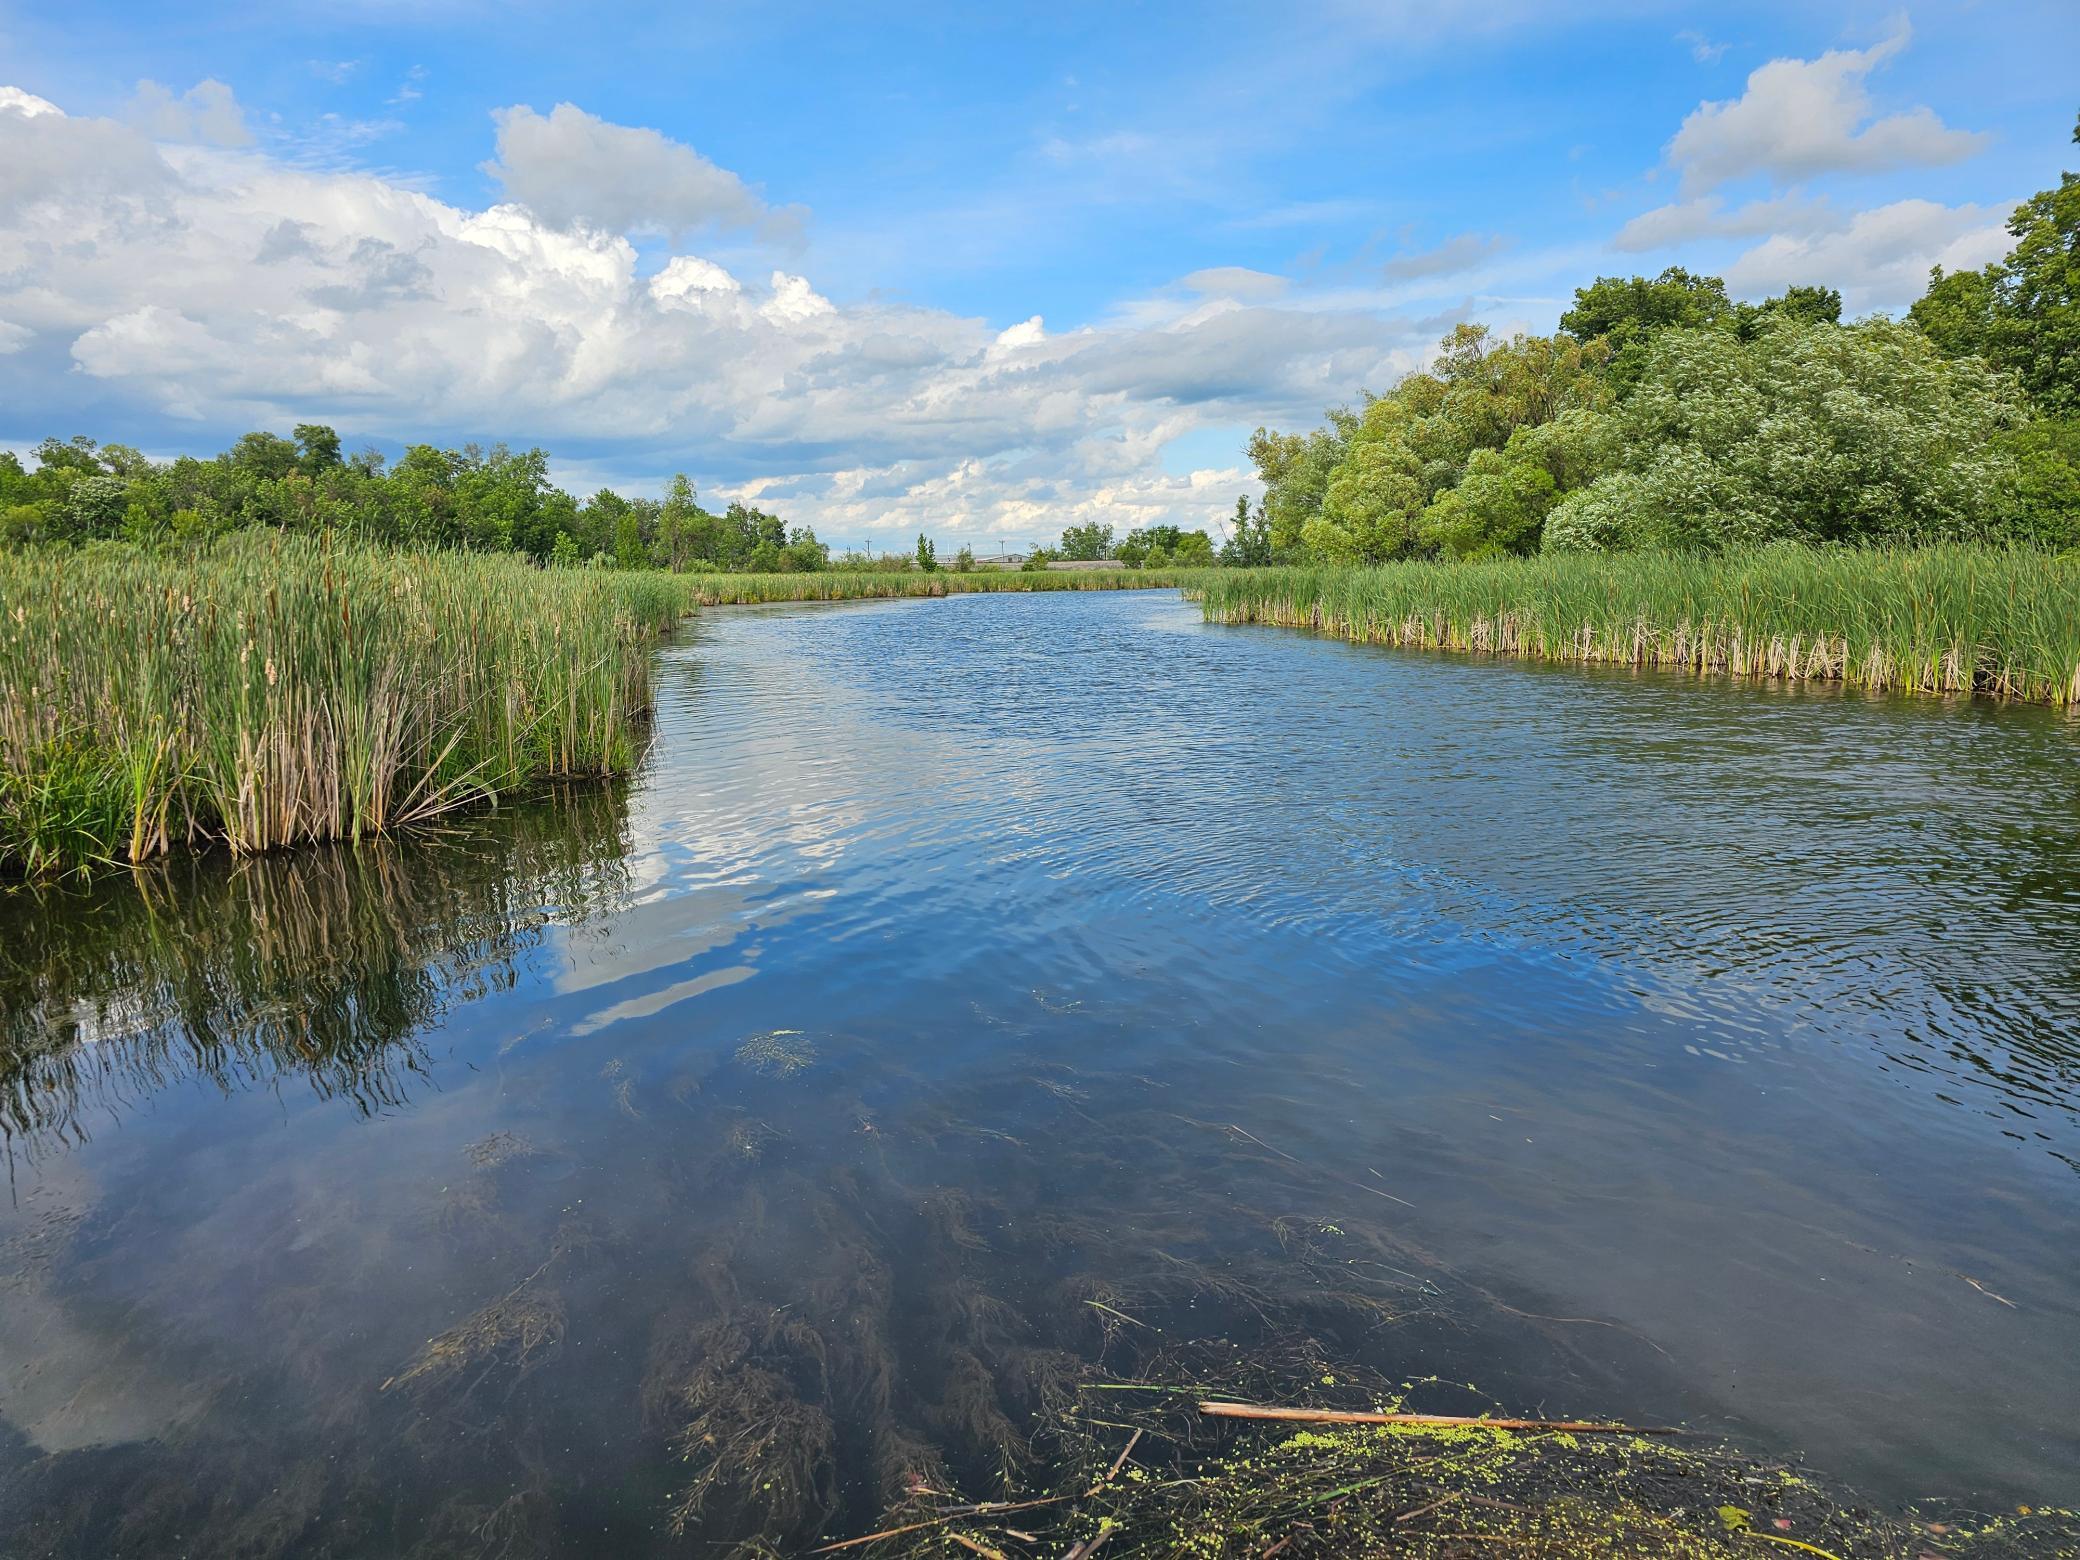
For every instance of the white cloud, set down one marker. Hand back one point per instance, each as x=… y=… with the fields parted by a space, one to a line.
x=686 y=279
x=794 y=301
x=1237 y=281
x=1879 y=259
x=1447 y=259
x=1709 y=217
x=1026 y=333
x=573 y=167
x=241 y=290
x=12 y=338
x=206 y=112
x=1799 y=118
x=13 y=100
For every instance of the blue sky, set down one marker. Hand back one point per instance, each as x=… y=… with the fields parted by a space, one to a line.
x=379 y=216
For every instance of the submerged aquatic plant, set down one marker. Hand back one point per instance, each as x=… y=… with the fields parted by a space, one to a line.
x=778 y=1053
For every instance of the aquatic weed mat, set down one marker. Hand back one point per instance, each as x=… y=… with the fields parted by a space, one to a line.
x=1146 y=1472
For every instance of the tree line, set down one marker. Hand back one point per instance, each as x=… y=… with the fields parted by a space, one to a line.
x=494 y=500
x=1665 y=414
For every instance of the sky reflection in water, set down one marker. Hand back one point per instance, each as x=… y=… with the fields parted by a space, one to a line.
x=415 y=1193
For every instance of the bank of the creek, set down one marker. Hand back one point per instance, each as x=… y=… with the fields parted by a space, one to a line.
x=972 y=1001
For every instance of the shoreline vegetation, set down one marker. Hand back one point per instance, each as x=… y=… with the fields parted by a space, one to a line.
x=2003 y=622
x=733 y=590
x=259 y=693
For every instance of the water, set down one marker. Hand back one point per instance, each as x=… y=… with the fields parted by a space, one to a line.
x=1619 y=1044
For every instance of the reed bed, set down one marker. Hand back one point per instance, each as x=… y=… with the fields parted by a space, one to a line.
x=2003 y=622
x=719 y=590
x=272 y=692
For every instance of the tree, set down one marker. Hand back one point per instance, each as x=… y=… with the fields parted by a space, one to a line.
x=629 y=551
x=317 y=448
x=1295 y=470
x=1956 y=313
x=1249 y=543
x=1413 y=446
x=264 y=455
x=1088 y=542
x=1806 y=305
x=1813 y=433
x=2036 y=327
x=2040 y=503
x=678 y=528
x=2024 y=313
x=927 y=554
x=964 y=560
x=1629 y=312
x=94 y=507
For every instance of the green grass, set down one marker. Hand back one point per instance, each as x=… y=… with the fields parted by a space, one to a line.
x=273 y=691
x=1954 y=619
x=716 y=590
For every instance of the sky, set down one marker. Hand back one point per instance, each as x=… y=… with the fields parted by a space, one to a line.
x=979 y=271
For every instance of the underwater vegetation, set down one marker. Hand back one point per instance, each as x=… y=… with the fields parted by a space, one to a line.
x=973 y=1319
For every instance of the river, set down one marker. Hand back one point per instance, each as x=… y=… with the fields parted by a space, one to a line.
x=962 y=985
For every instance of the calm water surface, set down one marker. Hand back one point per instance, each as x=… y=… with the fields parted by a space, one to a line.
x=1622 y=1045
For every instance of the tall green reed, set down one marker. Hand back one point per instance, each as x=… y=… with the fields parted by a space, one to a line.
x=1951 y=619
x=273 y=691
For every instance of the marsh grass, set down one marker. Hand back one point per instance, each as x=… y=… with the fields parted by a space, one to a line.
x=2003 y=622
x=717 y=590
x=272 y=692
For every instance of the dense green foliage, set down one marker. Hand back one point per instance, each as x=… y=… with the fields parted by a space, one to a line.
x=264 y=691
x=1804 y=433
x=1950 y=619
x=1666 y=414
x=486 y=500
x=2023 y=315
x=1165 y=547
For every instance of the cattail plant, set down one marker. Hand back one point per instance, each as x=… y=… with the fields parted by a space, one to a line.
x=269 y=692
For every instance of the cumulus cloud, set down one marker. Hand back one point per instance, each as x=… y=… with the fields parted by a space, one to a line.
x=244 y=291
x=571 y=167
x=1800 y=118
x=206 y=112
x=1447 y=259
x=1879 y=259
